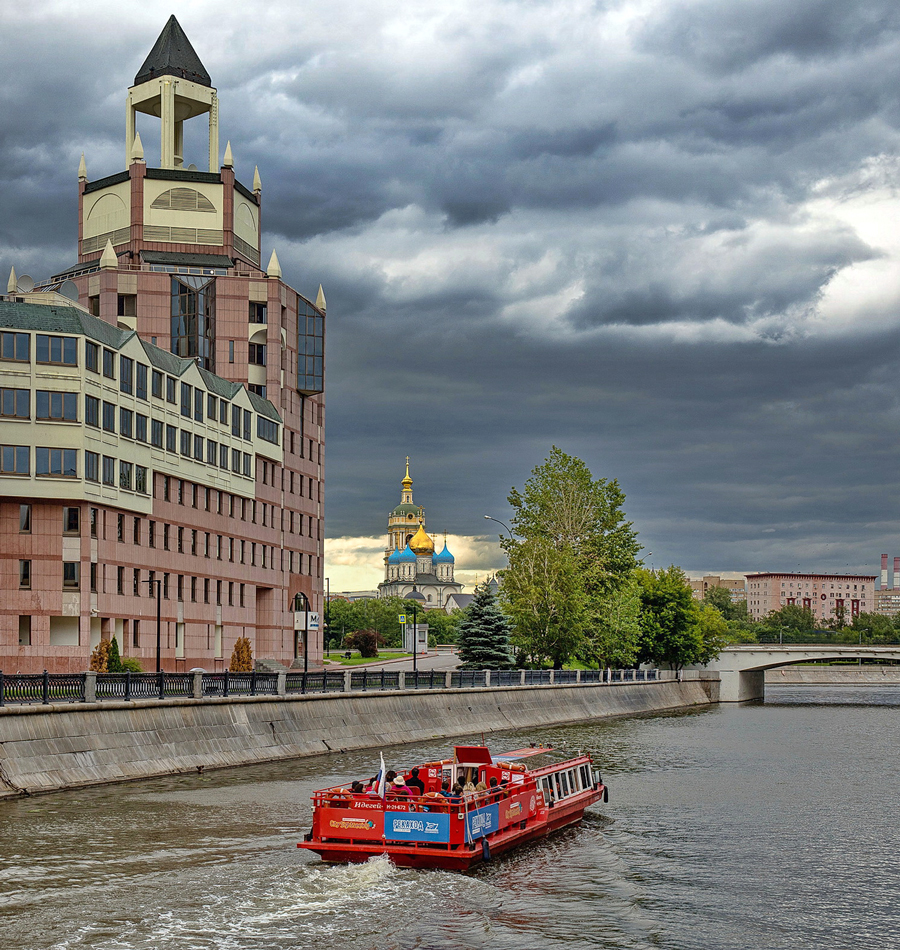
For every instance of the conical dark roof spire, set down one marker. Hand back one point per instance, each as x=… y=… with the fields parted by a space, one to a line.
x=173 y=55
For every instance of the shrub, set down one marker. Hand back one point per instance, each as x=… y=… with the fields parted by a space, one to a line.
x=366 y=641
x=100 y=657
x=241 y=656
x=131 y=664
x=114 y=661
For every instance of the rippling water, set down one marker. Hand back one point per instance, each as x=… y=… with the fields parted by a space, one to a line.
x=764 y=826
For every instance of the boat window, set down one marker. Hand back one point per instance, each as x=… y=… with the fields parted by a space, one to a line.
x=573 y=778
x=586 y=776
x=565 y=784
x=547 y=783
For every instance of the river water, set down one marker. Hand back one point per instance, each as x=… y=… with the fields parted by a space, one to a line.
x=760 y=826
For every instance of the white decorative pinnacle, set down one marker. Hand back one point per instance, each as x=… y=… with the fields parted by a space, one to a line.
x=108 y=259
x=257 y=181
x=228 y=160
x=82 y=169
x=320 y=303
x=12 y=284
x=274 y=268
x=137 y=149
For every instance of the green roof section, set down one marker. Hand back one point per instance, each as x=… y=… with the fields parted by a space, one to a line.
x=43 y=318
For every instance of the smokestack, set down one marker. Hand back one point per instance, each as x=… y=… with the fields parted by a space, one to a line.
x=884 y=572
x=896 y=571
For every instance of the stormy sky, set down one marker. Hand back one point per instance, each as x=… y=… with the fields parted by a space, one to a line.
x=659 y=234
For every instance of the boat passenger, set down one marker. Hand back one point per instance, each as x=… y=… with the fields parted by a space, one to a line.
x=456 y=794
x=469 y=789
x=357 y=788
x=399 y=788
x=415 y=784
x=481 y=786
x=445 y=789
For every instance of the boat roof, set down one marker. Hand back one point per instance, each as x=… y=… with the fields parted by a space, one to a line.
x=522 y=753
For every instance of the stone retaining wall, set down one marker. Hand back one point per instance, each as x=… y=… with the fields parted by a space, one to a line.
x=49 y=748
x=834 y=676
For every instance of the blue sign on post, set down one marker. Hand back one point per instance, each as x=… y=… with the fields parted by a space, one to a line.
x=416 y=826
x=482 y=821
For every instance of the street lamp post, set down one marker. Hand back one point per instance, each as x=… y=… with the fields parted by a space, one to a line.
x=300 y=599
x=489 y=518
x=327 y=637
x=158 y=582
x=415 y=641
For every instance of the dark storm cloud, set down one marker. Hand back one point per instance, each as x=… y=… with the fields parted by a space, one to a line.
x=617 y=228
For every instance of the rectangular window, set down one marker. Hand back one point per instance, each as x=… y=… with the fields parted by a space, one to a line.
x=71 y=520
x=171 y=439
x=141 y=481
x=198 y=405
x=140 y=381
x=242 y=595
x=186 y=443
x=223 y=461
x=206 y=545
x=257 y=354
x=258 y=312
x=267 y=430
x=59 y=350
x=248 y=422
x=62 y=463
x=236 y=421
x=230 y=358
x=120 y=580
x=109 y=364
x=135 y=633
x=165 y=537
x=25 y=630
x=186 y=399
x=15 y=403
x=126 y=423
x=92 y=411
x=91 y=466
x=166 y=585
x=71 y=571
x=25 y=574
x=156 y=433
x=219 y=592
x=205 y=590
x=231 y=593
x=24 y=519
x=126 y=375
x=212 y=411
x=151 y=534
x=109 y=470
x=60 y=407
x=140 y=427
x=180 y=587
x=120 y=527
x=198 y=448
x=93 y=577
x=15 y=346
x=193 y=590
x=136 y=582
x=95 y=517
x=212 y=452
x=194 y=542
x=109 y=417
x=223 y=412
x=170 y=390
x=151 y=583
x=248 y=465
x=156 y=383
x=235 y=461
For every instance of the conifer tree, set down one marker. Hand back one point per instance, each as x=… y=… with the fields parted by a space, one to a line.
x=100 y=657
x=114 y=661
x=241 y=656
x=483 y=633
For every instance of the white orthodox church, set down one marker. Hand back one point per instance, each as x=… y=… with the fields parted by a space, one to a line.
x=412 y=569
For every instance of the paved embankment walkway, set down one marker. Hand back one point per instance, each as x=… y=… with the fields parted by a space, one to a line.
x=50 y=748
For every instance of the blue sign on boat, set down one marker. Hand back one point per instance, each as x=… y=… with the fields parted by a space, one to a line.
x=483 y=821
x=416 y=826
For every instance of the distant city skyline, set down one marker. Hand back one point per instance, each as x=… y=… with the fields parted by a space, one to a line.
x=659 y=235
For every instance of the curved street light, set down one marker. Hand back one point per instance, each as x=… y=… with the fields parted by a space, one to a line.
x=506 y=526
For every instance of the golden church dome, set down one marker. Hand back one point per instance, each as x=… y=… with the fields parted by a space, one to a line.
x=421 y=543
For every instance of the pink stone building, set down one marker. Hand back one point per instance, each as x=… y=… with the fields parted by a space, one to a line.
x=826 y=595
x=162 y=416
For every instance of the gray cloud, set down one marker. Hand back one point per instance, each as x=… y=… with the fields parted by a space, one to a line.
x=648 y=239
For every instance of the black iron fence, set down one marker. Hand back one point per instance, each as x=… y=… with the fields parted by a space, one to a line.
x=45 y=688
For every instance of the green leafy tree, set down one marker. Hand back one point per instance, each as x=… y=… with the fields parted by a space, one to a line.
x=543 y=594
x=572 y=552
x=613 y=636
x=483 y=633
x=720 y=598
x=873 y=628
x=792 y=623
x=671 y=633
x=114 y=661
x=714 y=635
x=442 y=627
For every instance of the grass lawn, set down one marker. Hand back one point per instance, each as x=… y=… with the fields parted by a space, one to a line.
x=340 y=660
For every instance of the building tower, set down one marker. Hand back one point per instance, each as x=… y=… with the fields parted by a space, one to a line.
x=411 y=566
x=184 y=386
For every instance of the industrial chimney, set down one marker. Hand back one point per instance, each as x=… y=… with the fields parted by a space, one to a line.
x=884 y=572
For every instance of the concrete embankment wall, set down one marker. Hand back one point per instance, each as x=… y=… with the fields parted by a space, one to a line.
x=49 y=748
x=834 y=676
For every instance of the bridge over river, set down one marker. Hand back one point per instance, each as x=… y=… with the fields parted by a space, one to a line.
x=742 y=668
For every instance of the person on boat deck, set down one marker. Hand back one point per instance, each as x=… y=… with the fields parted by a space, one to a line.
x=356 y=788
x=481 y=786
x=469 y=789
x=399 y=788
x=445 y=789
x=415 y=784
x=456 y=795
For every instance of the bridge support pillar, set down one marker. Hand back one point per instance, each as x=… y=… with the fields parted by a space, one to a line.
x=737 y=686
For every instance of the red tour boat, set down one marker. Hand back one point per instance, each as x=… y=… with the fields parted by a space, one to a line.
x=535 y=793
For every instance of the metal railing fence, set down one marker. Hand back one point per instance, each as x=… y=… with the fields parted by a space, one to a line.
x=46 y=688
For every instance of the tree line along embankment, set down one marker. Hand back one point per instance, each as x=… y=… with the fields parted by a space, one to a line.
x=46 y=748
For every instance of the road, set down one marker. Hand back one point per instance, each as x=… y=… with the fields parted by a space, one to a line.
x=430 y=661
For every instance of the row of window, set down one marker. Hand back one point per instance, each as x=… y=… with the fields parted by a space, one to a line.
x=53 y=350
x=16 y=460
